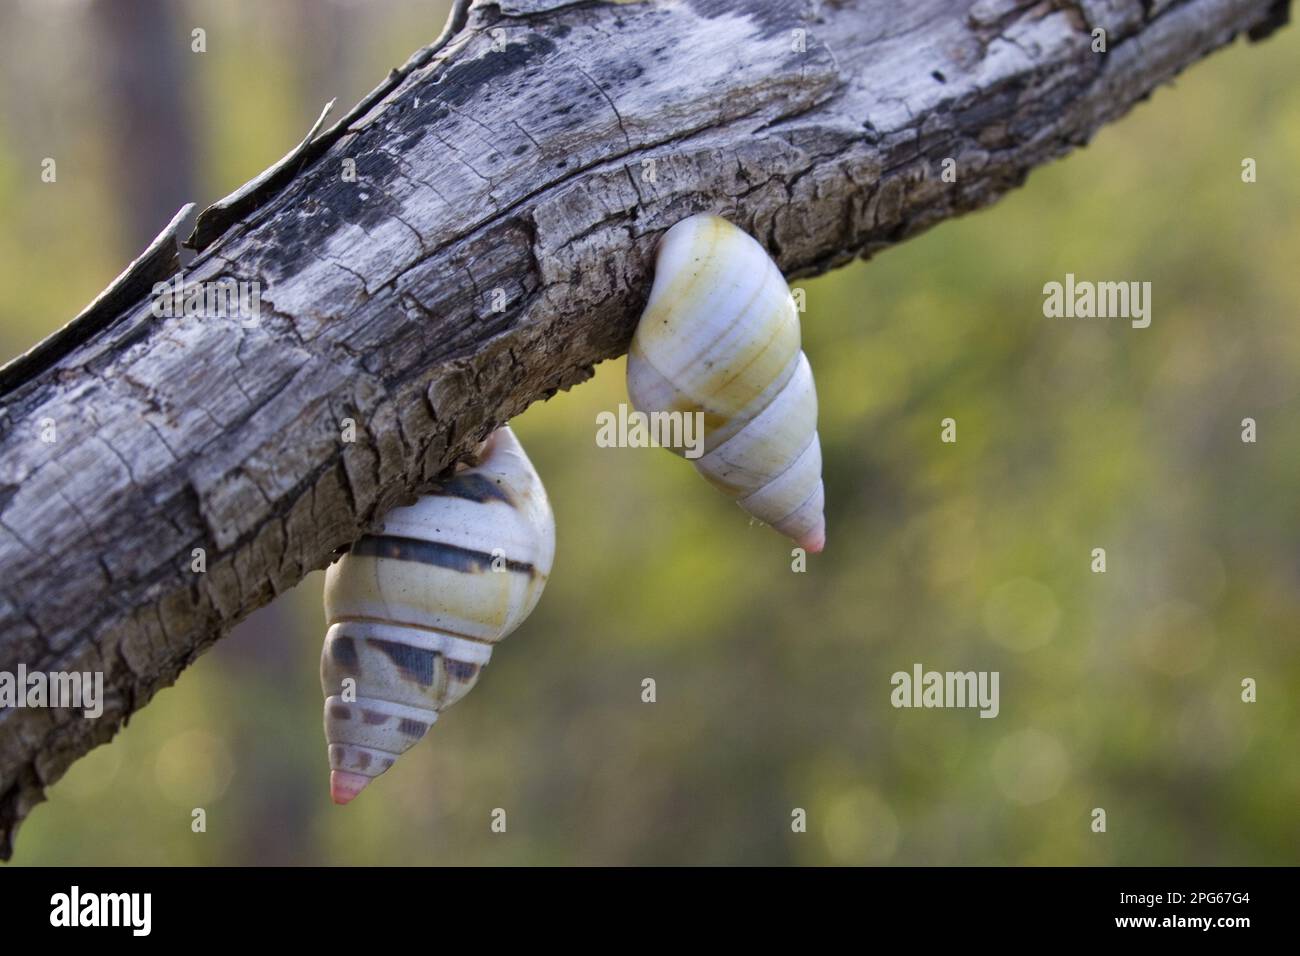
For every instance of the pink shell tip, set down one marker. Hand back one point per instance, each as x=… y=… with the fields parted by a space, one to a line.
x=344 y=785
x=814 y=540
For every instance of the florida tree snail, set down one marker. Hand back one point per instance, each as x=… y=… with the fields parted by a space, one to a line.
x=414 y=611
x=720 y=336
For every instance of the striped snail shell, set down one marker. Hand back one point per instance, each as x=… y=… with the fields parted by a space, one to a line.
x=720 y=336
x=414 y=611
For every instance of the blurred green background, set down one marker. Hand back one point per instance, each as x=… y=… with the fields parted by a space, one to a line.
x=1118 y=690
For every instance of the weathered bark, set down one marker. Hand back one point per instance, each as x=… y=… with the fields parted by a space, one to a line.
x=517 y=161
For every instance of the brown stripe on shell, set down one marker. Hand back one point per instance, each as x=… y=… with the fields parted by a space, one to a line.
x=343 y=652
x=413 y=728
x=460 y=670
x=473 y=486
x=415 y=663
x=437 y=553
x=374 y=717
x=340 y=713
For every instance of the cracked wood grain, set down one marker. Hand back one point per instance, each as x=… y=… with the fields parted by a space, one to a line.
x=532 y=155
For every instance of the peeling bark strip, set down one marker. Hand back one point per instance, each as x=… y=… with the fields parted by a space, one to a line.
x=531 y=157
x=161 y=260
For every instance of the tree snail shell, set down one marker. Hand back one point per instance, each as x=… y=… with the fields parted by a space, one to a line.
x=414 y=611
x=720 y=336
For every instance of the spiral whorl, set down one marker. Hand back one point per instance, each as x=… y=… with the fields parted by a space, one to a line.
x=414 y=610
x=720 y=336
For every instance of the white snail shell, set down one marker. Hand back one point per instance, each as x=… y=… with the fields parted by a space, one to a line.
x=414 y=611
x=720 y=335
